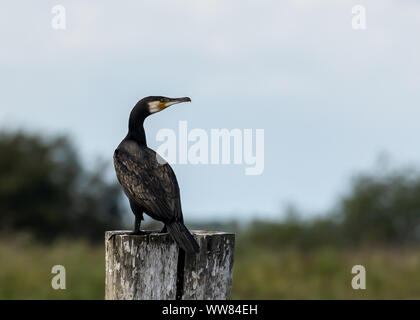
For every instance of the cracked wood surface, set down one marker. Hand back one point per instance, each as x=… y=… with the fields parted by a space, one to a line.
x=145 y=267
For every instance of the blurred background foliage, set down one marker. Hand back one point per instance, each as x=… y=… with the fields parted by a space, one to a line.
x=44 y=190
x=55 y=211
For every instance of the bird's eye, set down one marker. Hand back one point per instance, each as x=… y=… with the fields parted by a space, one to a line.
x=162 y=99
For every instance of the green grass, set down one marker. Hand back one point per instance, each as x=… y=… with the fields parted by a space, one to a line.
x=326 y=274
x=25 y=272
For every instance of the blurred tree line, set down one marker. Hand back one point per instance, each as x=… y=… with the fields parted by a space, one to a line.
x=380 y=209
x=45 y=190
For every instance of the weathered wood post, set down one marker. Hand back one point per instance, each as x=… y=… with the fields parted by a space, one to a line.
x=149 y=267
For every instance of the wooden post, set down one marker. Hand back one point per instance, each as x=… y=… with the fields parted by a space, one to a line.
x=149 y=267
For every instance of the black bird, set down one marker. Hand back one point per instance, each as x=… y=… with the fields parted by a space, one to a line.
x=148 y=181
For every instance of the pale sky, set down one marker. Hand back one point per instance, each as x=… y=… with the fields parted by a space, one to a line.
x=328 y=97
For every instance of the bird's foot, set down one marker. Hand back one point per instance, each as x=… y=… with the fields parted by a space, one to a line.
x=129 y=233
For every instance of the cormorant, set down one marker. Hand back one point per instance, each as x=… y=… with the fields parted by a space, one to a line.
x=148 y=181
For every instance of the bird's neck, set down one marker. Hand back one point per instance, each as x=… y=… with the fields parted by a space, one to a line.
x=136 y=128
x=138 y=136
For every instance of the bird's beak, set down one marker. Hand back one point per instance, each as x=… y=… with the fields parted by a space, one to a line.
x=173 y=101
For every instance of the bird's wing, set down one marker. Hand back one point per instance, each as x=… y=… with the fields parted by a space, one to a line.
x=149 y=183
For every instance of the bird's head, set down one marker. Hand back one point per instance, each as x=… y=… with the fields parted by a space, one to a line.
x=155 y=104
x=147 y=106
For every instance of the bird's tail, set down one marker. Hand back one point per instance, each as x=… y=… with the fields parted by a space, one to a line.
x=183 y=237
